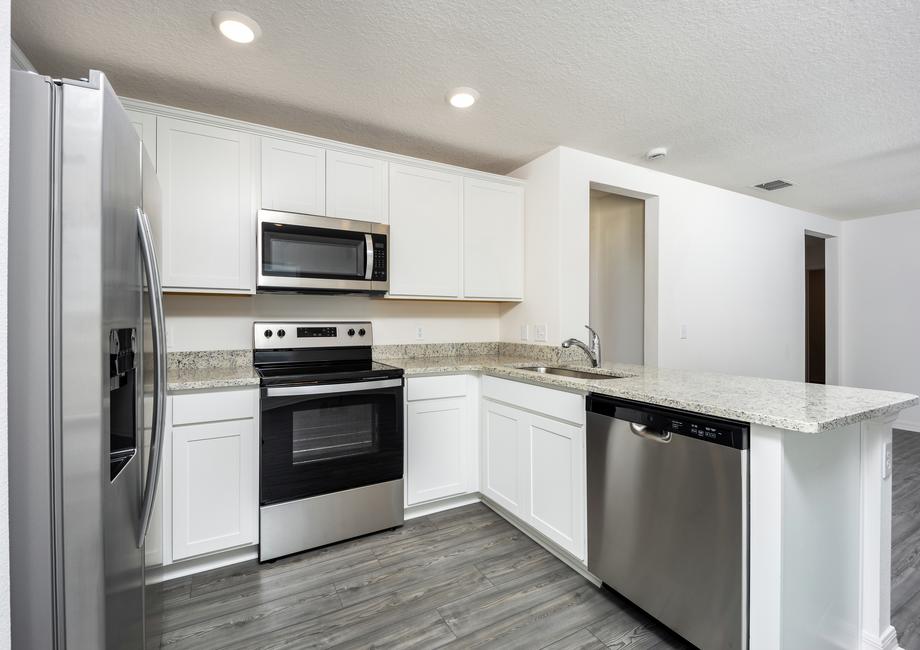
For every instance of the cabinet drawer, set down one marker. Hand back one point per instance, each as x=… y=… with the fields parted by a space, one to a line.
x=213 y=407
x=436 y=387
x=557 y=404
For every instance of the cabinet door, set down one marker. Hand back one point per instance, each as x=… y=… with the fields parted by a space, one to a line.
x=205 y=173
x=146 y=126
x=215 y=487
x=425 y=214
x=293 y=177
x=437 y=449
x=504 y=456
x=556 y=492
x=357 y=187
x=493 y=240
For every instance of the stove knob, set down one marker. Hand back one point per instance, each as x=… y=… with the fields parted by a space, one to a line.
x=281 y=334
x=362 y=331
x=351 y=332
x=268 y=334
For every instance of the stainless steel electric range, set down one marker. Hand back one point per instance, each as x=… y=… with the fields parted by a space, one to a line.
x=332 y=436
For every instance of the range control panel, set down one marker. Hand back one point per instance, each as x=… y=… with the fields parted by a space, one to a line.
x=286 y=336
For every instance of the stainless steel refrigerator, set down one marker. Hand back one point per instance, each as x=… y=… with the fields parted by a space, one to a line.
x=82 y=480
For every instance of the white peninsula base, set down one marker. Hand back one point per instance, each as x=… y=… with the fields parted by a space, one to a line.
x=820 y=538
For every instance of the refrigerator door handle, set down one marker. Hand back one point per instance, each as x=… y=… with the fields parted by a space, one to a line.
x=158 y=331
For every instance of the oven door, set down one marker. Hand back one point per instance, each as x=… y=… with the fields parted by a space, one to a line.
x=319 y=439
x=309 y=253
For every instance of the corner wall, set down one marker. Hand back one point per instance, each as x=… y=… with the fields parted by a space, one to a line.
x=729 y=266
x=4 y=230
x=880 y=307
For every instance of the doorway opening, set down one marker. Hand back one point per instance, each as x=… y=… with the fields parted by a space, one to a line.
x=617 y=275
x=815 y=310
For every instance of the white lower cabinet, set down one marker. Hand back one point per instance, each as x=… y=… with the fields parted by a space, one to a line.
x=533 y=458
x=556 y=482
x=441 y=438
x=504 y=456
x=214 y=471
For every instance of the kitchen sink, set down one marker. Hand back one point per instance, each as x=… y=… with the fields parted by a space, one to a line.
x=569 y=372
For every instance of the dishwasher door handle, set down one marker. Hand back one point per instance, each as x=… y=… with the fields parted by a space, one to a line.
x=649 y=434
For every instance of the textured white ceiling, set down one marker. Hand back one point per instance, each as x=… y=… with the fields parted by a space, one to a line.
x=825 y=94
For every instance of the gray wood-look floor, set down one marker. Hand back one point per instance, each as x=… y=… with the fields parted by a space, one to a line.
x=905 y=539
x=463 y=578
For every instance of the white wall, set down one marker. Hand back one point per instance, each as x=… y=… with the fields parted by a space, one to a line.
x=4 y=230
x=880 y=306
x=203 y=322
x=617 y=282
x=728 y=266
x=541 y=273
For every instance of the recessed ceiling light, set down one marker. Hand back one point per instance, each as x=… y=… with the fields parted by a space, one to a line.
x=462 y=97
x=236 y=26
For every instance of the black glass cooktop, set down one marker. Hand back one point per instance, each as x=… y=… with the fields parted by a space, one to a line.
x=323 y=373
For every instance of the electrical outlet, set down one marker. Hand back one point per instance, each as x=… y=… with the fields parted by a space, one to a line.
x=539 y=332
x=887 y=461
x=683 y=331
x=170 y=337
x=525 y=333
x=419 y=333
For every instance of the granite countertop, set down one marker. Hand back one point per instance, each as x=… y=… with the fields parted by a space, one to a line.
x=797 y=406
x=810 y=408
x=214 y=377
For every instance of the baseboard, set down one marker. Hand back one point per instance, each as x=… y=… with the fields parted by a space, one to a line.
x=191 y=566
x=573 y=562
x=887 y=641
x=441 y=505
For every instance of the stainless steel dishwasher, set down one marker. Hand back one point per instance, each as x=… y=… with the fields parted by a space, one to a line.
x=668 y=516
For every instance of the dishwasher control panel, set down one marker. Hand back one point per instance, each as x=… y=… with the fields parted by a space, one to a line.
x=665 y=420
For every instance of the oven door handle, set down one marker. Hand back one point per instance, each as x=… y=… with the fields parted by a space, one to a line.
x=369 y=264
x=329 y=389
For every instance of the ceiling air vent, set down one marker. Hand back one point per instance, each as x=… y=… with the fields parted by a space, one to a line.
x=774 y=185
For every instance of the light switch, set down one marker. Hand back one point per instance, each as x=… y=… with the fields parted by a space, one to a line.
x=539 y=332
x=683 y=331
x=525 y=332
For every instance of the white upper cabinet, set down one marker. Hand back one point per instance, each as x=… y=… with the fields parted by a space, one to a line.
x=293 y=177
x=205 y=173
x=425 y=219
x=455 y=234
x=493 y=240
x=146 y=126
x=357 y=187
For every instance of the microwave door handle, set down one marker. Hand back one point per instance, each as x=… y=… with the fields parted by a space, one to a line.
x=369 y=265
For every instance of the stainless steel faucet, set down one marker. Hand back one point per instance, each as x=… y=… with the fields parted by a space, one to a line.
x=593 y=351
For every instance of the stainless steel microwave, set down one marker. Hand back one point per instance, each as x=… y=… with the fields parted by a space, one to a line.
x=302 y=253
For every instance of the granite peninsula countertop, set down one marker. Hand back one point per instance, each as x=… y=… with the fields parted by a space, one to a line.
x=797 y=406
x=809 y=408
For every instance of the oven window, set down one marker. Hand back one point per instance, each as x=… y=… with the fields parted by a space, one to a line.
x=291 y=251
x=334 y=432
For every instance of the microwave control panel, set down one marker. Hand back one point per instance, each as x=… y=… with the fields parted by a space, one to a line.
x=380 y=258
